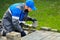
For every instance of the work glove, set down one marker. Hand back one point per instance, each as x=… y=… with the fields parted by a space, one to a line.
x=35 y=24
x=23 y=34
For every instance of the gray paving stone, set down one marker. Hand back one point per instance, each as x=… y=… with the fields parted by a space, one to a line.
x=13 y=36
x=46 y=28
x=3 y=38
x=52 y=36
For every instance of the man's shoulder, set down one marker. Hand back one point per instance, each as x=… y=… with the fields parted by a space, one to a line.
x=17 y=4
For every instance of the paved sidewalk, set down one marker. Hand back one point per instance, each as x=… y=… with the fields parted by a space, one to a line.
x=42 y=35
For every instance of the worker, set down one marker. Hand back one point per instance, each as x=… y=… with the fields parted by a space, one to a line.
x=15 y=16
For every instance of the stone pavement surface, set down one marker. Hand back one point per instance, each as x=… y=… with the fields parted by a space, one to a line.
x=42 y=35
x=3 y=38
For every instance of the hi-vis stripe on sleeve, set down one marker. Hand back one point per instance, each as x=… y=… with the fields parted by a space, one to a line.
x=21 y=21
x=14 y=17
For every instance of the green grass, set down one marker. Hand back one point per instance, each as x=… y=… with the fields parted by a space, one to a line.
x=47 y=13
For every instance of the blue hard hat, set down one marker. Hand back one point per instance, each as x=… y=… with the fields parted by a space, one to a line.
x=30 y=3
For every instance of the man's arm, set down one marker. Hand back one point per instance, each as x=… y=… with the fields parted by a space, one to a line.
x=16 y=24
x=30 y=19
x=18 y=27
x=15 y=19
x=35 y=24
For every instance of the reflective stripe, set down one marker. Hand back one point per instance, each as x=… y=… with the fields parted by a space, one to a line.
x=21 y=21
x=14 y=17
x=18 y=7
x=9 y=11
